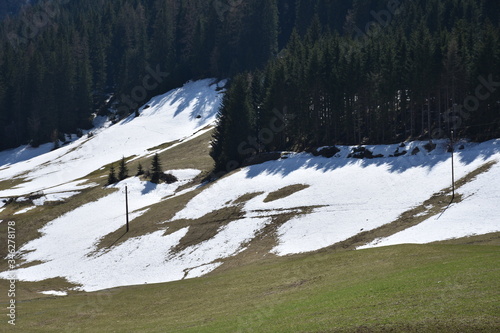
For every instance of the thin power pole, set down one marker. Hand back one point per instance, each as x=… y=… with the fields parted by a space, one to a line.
x=452 y=169
x=126 y=204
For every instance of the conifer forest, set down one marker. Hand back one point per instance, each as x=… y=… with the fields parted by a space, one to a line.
x=303 y=74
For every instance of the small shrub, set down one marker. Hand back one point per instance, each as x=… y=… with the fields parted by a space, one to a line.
x=140 y=170
x=168 y=178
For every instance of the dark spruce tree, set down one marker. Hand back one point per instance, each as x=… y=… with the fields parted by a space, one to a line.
x=232 y=142
x=112 y=176
x=140 y=170
x=122 y=171
x=156 y=171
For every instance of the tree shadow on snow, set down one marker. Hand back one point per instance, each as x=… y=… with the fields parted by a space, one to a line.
x=148 y=188
x=399 y=164
x=202 y=98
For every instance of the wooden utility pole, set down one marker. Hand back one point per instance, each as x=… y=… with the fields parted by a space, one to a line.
x=126 y=204
x=452 y=169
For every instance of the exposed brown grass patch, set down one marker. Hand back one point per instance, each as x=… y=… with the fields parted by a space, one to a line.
x=265 y=240
x=205 y=228
x=10 y=183
x=285 y=192
x=162 y=146
x=32 y=290
x=246 y=197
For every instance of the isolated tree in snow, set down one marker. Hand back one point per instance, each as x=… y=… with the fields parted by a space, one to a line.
x=123 y=171
x=156 y=169
x=140 y=170
x=112 y=176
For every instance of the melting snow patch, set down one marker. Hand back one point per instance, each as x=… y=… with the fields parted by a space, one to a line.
x=25 y=210
x=421 y=214
x=184 y=175
x=145 y=259
x=477 y=214
x=54 y=293
x=53 y=197
x=350 y=194
x=201 y=270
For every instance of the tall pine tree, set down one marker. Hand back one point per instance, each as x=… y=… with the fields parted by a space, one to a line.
x=156 y=171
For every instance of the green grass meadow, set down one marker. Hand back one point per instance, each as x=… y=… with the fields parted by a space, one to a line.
x=407 y=288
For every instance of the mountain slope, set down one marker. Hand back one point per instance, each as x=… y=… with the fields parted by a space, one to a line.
x=298 y=203
x=171 y=117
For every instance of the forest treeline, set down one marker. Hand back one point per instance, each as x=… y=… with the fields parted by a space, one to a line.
x=12 y=7
x=417 y=70
x=312 y=64
x=61 y=59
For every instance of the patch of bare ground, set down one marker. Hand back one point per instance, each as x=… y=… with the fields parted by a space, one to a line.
x=207 y=227
x=246 y=197
x=191 y=154
x=260 y=247
x=163 y=146
x=435 y=205
x=32 y=290
x=11 y=183
x=285 y=192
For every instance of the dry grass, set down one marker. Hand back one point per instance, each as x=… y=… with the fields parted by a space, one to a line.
x=285 y=192
x=27 y=291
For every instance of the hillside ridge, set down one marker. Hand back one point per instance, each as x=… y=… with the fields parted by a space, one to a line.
x=299 y=203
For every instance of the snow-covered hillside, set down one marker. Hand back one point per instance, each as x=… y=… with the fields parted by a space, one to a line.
x=326 y=200
x=352 y=195
x=173 y=116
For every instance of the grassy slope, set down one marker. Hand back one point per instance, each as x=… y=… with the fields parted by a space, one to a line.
x=412 y=288
x=437 y=287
